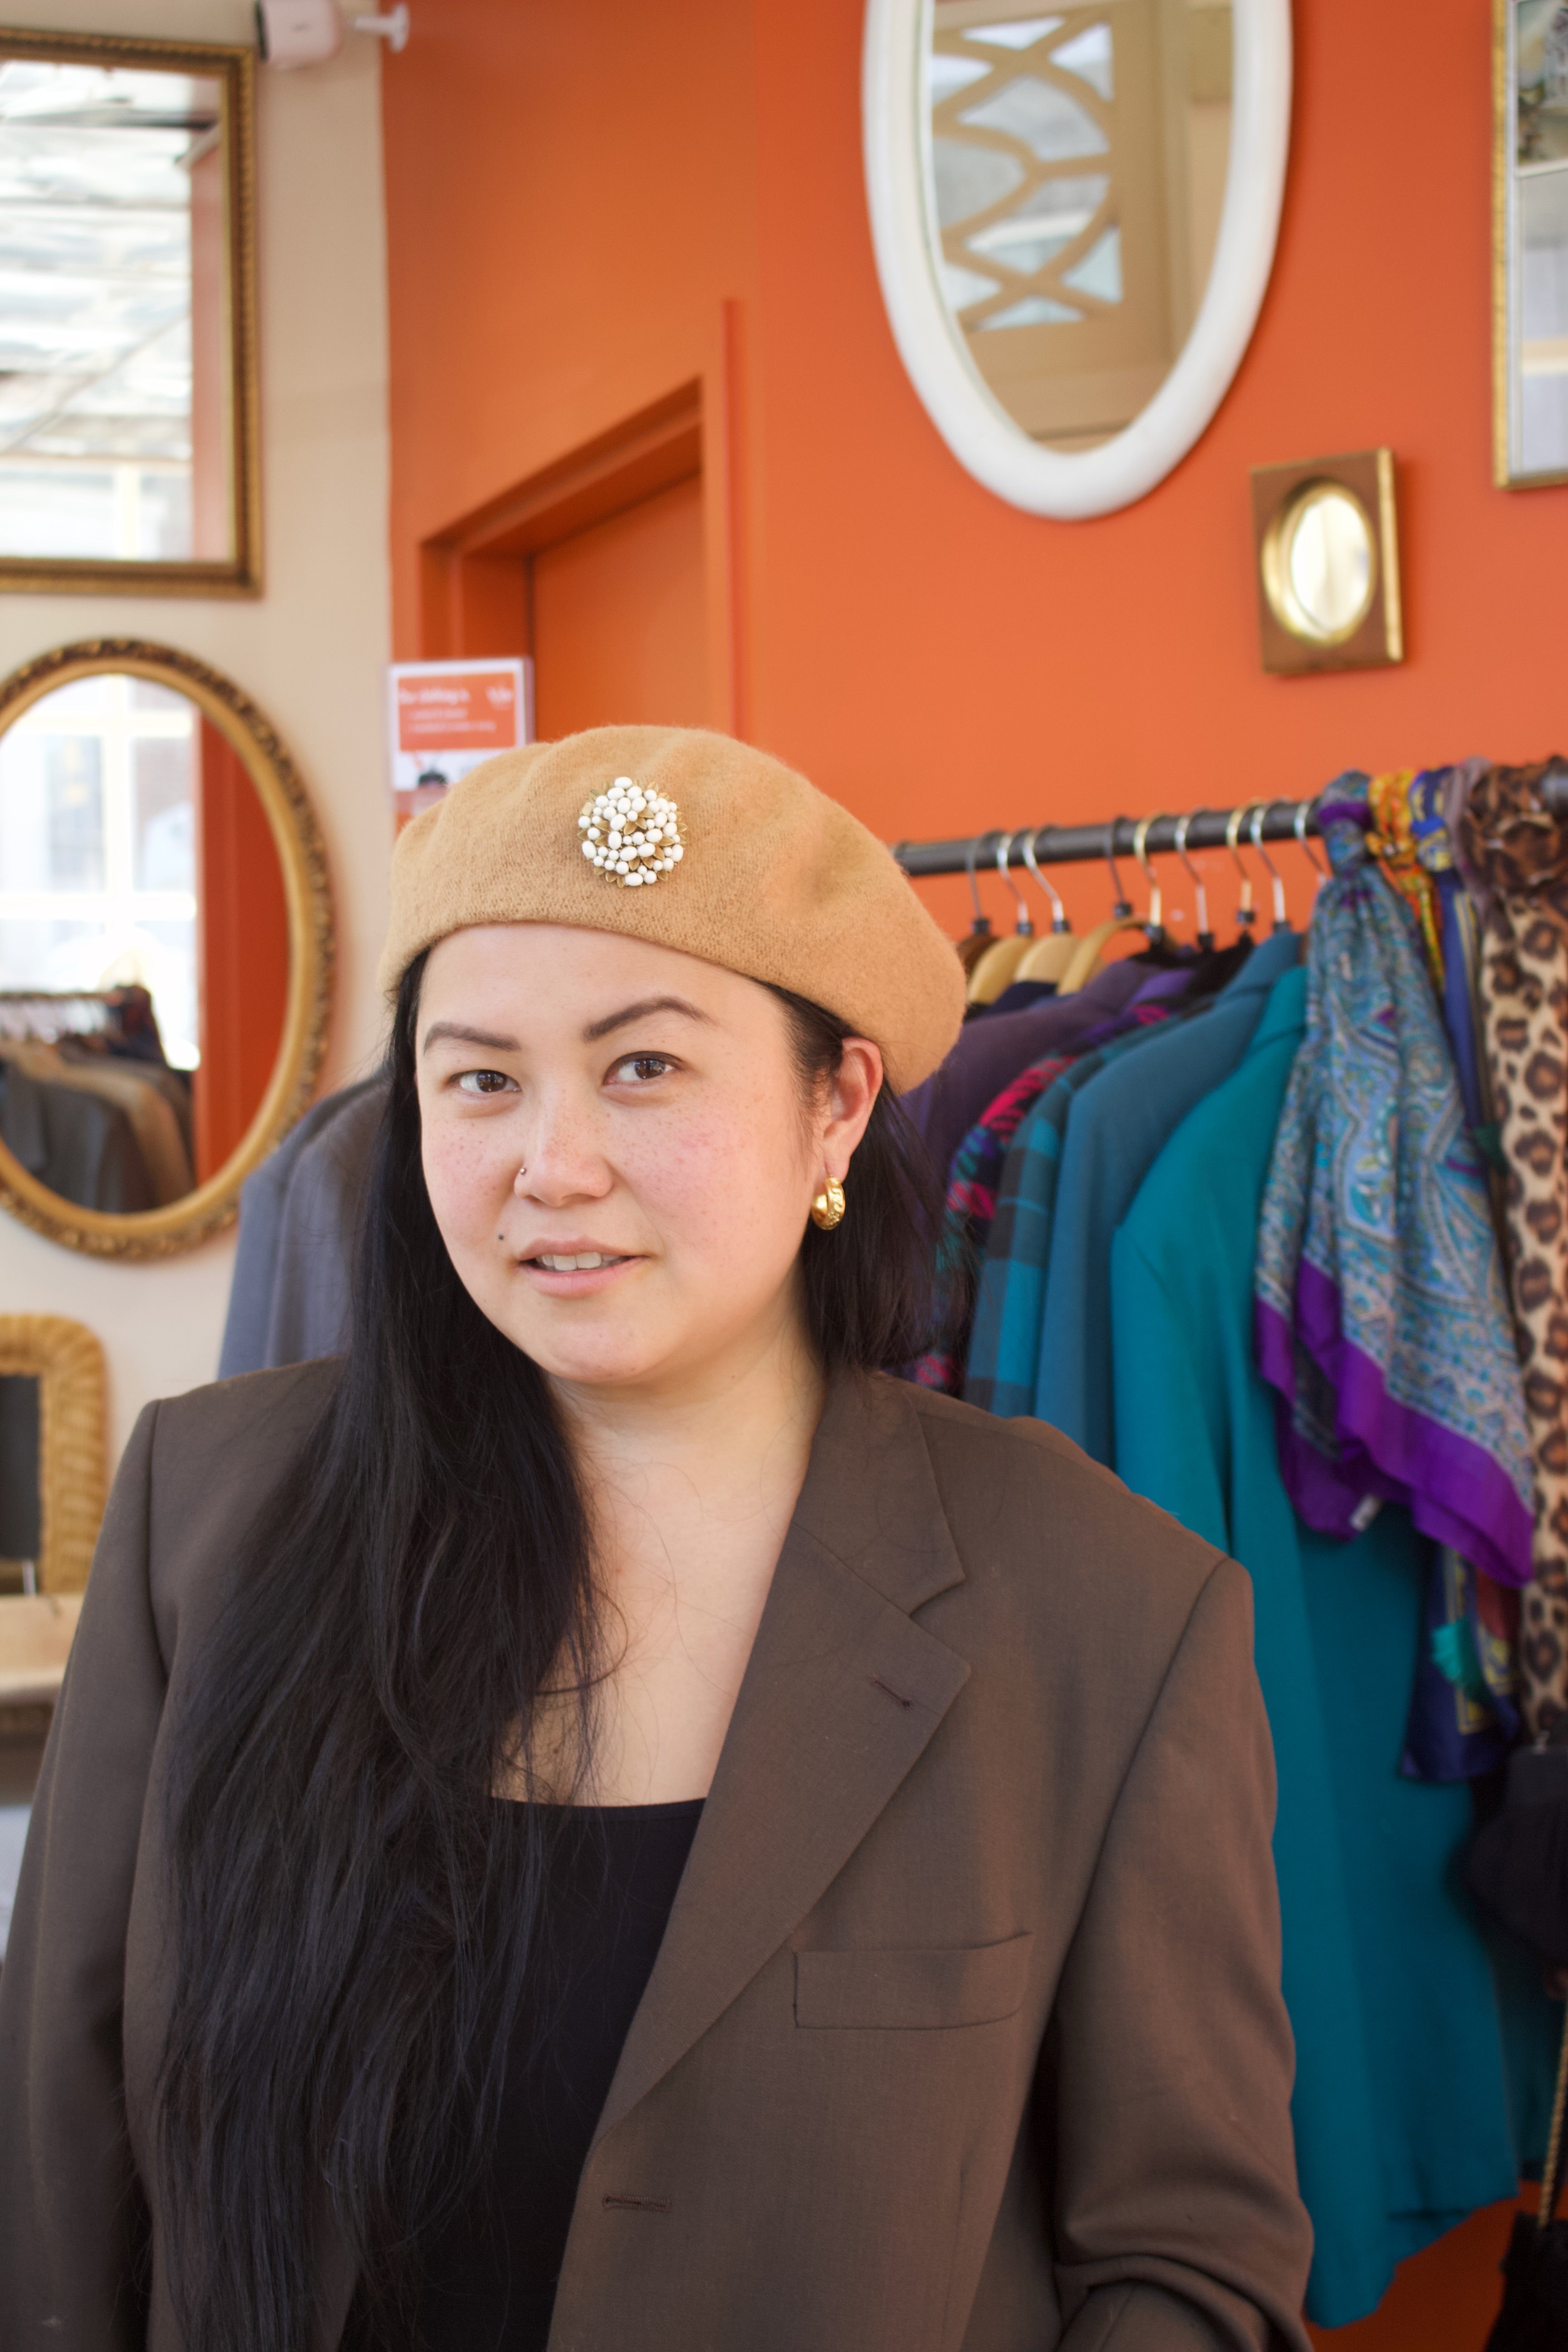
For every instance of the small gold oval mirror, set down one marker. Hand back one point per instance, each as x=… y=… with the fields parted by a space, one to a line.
x=165 y=946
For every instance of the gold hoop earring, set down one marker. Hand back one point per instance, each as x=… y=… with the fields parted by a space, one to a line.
x=827 y=1209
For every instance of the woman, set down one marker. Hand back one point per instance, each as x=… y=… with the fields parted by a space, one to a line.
x=600 y=1818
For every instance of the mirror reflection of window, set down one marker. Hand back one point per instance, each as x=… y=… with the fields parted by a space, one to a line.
x=1077 y=166
x=112 y=377
x=98 y=849
x=1540 y=169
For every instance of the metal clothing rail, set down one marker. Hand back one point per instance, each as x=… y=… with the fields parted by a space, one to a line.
x=1075 y=845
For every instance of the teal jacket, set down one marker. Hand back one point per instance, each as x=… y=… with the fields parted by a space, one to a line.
x=1115 y=1132
x=1402 y=2107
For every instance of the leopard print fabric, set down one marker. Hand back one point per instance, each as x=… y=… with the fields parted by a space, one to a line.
x=1518 y=853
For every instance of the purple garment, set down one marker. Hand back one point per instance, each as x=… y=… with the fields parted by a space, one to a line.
x=990 y=1054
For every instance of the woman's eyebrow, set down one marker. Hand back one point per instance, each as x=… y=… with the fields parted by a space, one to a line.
x=639 y=1012
x=440 y=1030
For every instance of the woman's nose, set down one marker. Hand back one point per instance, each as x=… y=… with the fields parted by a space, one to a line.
x=561 y=1160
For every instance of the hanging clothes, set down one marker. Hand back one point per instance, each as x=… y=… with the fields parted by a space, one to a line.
x=1406 y=2116
x=1407 y=836
x=1520 y=853
x=298 y=1213
x=82 y=1147
x=971 y=1201
x=126 y=1089
x=1009 y=1312
x=1382 y=1312
x=989 y=1055
x=1116 y=1129
x=968 y=1211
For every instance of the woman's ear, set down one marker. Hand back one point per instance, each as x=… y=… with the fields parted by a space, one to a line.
x=851 y=1101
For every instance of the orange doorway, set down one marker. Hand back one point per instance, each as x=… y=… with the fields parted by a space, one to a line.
x=620 y=623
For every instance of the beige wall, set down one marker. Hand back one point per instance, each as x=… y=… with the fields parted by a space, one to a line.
x=309 y=650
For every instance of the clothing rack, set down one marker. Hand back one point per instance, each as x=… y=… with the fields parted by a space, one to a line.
x=1077 y=844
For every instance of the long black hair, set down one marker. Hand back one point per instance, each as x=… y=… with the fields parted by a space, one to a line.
x=340 y=2004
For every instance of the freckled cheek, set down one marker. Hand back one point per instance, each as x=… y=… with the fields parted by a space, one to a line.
x=718 y=1187
x=468 y=1175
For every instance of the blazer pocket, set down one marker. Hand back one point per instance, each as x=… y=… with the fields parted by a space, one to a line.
x=860 y=1989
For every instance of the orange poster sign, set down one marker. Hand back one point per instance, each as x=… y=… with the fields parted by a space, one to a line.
x=445 y=717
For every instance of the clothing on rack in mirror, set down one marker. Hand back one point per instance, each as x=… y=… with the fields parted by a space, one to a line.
x=80 y=1147
x=90 y=1107
x=125 y=1087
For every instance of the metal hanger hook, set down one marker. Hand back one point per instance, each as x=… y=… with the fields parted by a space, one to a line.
x=1255 y=834
x=982 y=920
x=1153 y=923
x=1123 y=903
x=1246 y=913
x=1205 y=937
x=1303 y=811
x=1025 y=926
x=1058 y=912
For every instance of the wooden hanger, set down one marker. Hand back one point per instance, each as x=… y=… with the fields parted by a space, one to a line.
x=1086 y=961
x=995 y=968
x=1049 y=958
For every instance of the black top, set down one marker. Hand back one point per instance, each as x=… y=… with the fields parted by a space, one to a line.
x=490 y=2278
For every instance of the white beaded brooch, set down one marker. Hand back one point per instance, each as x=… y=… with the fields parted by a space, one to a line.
x=632 y=835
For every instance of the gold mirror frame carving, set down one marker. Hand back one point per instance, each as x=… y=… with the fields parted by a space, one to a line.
x=232 y=66
x=67 y=1361
x=180 y=1224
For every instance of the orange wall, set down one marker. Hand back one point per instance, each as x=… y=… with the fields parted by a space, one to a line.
x=574 y=191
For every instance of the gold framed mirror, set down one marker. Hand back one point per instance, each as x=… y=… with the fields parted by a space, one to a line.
x=129 y=452
x=52 y=1458
x=1326 y=541
x=165 y=946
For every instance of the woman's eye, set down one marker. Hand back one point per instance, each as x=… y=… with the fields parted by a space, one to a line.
x=642 y=1067
x=484 y=1082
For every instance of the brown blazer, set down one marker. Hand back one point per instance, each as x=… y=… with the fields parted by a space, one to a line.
x=966 y=2031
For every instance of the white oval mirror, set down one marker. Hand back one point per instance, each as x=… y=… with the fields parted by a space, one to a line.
x=1074 y=211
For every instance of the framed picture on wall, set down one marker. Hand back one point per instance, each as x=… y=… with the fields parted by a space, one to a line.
x=1530 y=265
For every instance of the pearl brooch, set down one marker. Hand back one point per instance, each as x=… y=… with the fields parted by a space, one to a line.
x=630 y=835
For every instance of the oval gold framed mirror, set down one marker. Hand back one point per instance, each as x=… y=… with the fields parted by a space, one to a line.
x=165 y=946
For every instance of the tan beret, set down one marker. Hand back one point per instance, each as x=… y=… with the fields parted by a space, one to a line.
x=698 y=843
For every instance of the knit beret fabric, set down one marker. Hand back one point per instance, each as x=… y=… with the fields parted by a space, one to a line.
x=776 y=880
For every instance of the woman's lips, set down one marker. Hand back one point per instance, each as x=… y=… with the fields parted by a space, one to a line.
x=562 y=1273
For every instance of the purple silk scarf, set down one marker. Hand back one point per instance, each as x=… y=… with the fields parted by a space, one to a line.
x=1382 y=1313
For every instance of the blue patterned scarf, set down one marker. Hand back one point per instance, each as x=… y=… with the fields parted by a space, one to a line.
x=1381 y=1310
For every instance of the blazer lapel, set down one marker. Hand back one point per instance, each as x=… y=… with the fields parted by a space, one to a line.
x=841 y=1696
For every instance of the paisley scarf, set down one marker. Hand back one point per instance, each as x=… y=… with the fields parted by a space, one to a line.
x=1382 y=1313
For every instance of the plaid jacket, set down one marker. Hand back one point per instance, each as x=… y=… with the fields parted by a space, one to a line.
x=1005 y=1346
